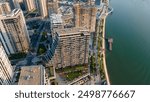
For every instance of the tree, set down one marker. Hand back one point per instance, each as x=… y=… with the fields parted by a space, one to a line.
x=41 y=51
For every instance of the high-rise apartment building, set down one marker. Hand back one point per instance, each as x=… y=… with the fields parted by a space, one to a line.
x=30 y=4
x=20 y=4
x=42 y=5
x=72 y=48
x=13 y=32
x=6 y=70
x=85 y=16
x=11 y=3
x=53 y=6
x=17 y=3
x=91 y=2
x=4 y=8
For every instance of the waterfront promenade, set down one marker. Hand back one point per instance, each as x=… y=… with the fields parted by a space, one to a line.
x=104 y=54
x=104 y=12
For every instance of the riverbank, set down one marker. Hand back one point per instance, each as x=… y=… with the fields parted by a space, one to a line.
x=104 y=53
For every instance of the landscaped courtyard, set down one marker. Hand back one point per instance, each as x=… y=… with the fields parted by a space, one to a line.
x=71 y=73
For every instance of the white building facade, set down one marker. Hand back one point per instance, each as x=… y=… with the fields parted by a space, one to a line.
x=6 y=70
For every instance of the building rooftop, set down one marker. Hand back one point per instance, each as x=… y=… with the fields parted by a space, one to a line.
x=66 y=10
x=32 y=75
x=12 y=14
x=71 y=31
x=56 y=18
x=3 y=2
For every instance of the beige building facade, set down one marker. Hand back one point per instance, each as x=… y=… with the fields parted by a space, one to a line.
x=30 y=4
x=85 y=16
x=13 y=32
x=4 y=8
x=53 y=6
x=42 y=6
x=72 y=48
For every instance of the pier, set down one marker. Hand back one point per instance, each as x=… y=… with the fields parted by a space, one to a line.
x=110 y=41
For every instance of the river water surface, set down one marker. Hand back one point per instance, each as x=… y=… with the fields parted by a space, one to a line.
x=129 y=26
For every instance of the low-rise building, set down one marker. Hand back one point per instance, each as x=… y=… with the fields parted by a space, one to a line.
x=32 y=75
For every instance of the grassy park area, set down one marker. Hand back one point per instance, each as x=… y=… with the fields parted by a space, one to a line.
x=72 y=75
x=72 y=72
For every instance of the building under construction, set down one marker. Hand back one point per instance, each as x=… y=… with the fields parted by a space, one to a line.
x=85 y=16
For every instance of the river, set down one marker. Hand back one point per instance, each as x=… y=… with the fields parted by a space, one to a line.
x=129 y=25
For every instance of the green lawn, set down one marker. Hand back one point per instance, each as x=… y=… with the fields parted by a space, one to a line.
x=70 y=73
x=71 y=76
